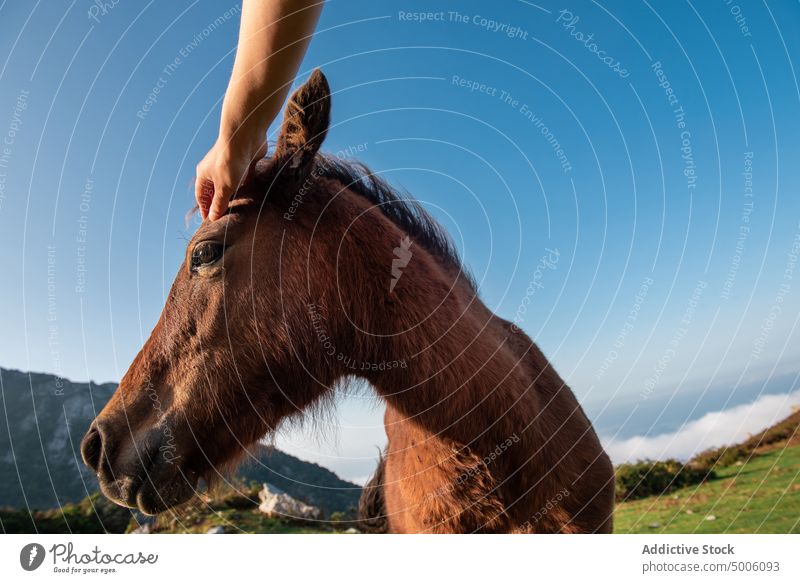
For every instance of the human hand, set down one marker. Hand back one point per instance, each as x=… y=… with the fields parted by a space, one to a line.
x=223 y=170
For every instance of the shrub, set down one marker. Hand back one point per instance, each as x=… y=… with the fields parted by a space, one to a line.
x=654 y=478
x=779 y=434
x=722 y=456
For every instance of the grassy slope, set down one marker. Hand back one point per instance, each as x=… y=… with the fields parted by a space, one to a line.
x=759 y=496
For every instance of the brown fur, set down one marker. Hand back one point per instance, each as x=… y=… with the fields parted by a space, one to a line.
x=483 y=433
x=372 y=504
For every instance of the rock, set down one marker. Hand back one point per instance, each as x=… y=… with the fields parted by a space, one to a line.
x=216 y=530
x=352 y=530
x=653 y=525
x=711 y=517
x=276 y=503
x=690 y=511
x=147 y=524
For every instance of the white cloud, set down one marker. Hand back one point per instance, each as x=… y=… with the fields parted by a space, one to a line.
x=711 y=430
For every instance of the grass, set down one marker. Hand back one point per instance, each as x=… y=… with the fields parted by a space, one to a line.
x=237 y=512
x=761 y=495
x=237 y=522
x=93 y=514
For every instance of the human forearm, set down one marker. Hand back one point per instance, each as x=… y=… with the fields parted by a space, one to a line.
x=273 y=39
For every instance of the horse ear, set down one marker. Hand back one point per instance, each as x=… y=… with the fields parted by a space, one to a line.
x=305 y=122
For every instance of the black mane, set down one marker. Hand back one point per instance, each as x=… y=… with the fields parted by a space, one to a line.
x=400 y=208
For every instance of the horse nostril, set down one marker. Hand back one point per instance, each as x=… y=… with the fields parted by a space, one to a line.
x=92 y=447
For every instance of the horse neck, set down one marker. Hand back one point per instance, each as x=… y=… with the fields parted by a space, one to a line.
x=430 y=347
x=452 y=366
x=469 y=384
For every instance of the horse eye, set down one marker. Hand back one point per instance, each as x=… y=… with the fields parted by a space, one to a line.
x=206 y=254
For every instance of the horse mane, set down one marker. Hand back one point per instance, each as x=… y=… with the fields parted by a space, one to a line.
x=399 y=207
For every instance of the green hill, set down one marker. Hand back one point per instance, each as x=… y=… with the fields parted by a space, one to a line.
x=755 y=489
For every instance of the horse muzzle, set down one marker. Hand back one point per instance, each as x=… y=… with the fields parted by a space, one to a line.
x=145 y=473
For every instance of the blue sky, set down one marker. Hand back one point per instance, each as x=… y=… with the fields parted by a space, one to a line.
x=675 y=223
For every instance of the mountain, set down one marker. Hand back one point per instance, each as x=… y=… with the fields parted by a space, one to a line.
x=44 y=418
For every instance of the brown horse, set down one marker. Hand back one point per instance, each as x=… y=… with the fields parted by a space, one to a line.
x=319 y=273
